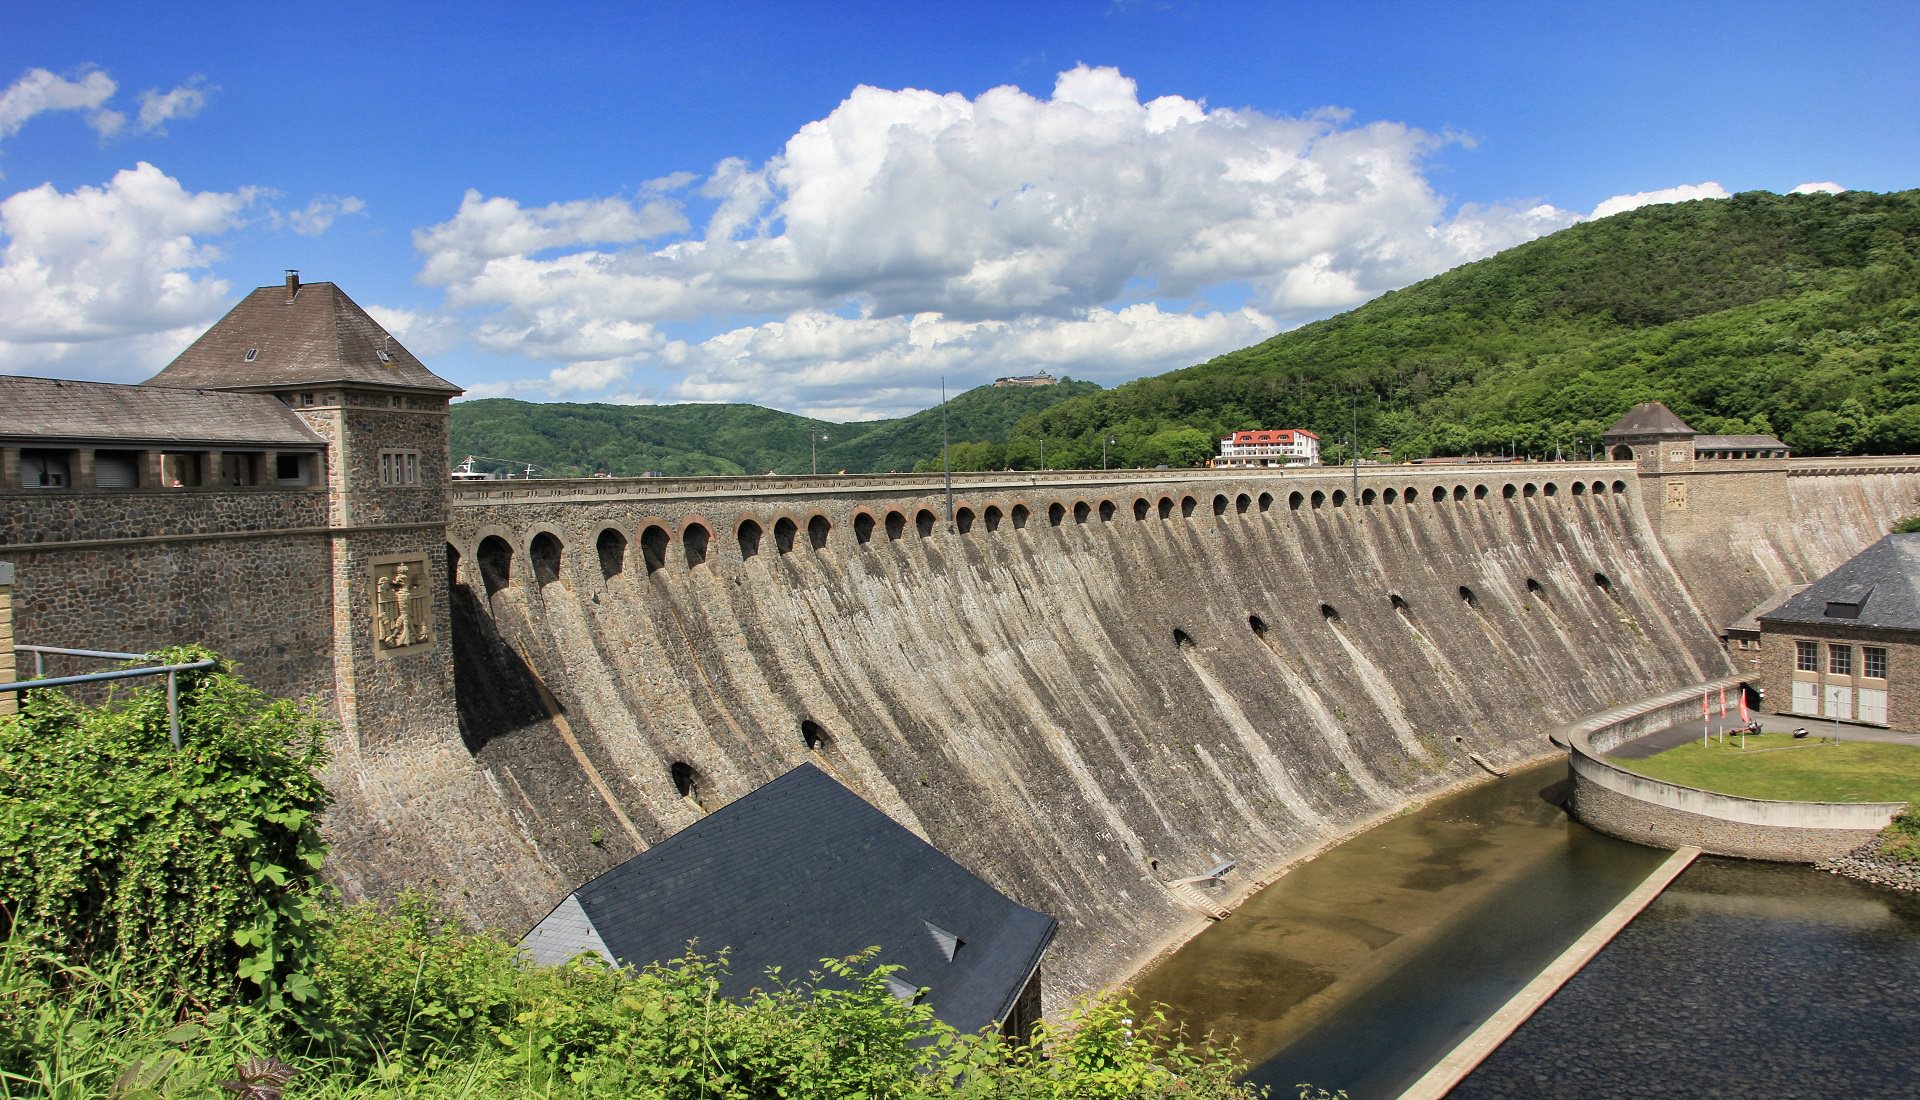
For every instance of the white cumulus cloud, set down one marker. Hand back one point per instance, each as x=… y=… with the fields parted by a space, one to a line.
x=39 y=91
x=98 y=280
x=157 y=108
x=1686 y=192
x=319 y=215
x=1826 y=187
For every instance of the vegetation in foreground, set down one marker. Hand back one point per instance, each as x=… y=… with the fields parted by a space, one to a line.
x=166 y=934
x=1775 y=766
x=1900 y=840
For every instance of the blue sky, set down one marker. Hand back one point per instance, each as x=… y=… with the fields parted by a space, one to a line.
x=826 y=208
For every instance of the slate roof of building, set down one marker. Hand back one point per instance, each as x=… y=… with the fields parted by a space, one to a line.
x=320 y=336
x=46 y=410
x=803 y=869
x=1650 y=418
x=1882 y=582
x=1750 y=622
x=1736 y=442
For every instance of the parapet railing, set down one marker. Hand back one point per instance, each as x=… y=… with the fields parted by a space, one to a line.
x=172 y=673
x=1854 y=464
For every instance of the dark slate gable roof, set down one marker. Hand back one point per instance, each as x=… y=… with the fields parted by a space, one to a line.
x=320 y=336
x=46 y=411
x=803 y=869
x=1882 y=582
x=1750 y=622
x=1650 y=418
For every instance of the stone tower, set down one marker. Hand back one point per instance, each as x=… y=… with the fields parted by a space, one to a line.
x=384 y=417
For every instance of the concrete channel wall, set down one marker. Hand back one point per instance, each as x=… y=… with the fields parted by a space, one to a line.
x=1659 y=814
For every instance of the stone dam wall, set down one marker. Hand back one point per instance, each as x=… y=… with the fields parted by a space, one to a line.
x=1089 y=687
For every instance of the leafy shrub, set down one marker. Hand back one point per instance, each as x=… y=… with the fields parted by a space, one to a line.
x=1901 y=838
x=189 y=871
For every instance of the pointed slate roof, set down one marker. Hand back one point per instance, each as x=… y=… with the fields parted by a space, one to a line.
x=1878 y=588
x=1649 y=418
x=800 y=870
x=46 y=411
x=316 y=336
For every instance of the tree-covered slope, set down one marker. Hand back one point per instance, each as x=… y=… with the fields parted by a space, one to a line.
x=1798 y=315
x=572 y=440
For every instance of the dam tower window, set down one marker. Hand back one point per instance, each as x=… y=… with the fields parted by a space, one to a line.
x=1599 y=488
x=1530 y=490
x=612 y=548
x=1220 y=504
x=1467 y=597
x=1057 y=514
x=1390 y=496
x=1106 y=511
x=1141 y=508
x=685 y=779
x=1187 y=507
x=784 y=530
x=1479 y=492
x=1258 y=625
x=1329 y=613
x=1619 y=486
x=496 y=563
x=1181 y=639
x=1507 y=491
x=545 y=553
x=1319 y=498
x=1439 y=493
x=748 y=536
x=896 y=526
x=817 y=531
x=653 y=546
x=813 y=735
x=923 y=522
x=1621 y=453
x=1294 y=501
x=1579 y=488
x=1551 y=489
x=1411 y=496
x=1166 y=507
x=1266 y=502
x=1241 y=503
x=1339 y=498
x=1019 y=515
x=963 y=520
x=1368 y=496
x=992 y=517
x=863 y=529
x=1459 y=493
x=694 y=540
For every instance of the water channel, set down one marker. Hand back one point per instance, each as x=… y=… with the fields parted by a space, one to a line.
x=1361 y=968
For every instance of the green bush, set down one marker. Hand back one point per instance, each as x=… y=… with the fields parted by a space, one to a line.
x=1901 y=838
x=189 y=871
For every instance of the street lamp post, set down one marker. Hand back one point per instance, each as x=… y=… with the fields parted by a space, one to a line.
x=1104 y=440
x=813 y=445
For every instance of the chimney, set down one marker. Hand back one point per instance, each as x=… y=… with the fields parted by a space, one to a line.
x=293 y=283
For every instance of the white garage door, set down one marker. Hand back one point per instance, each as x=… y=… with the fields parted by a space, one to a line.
x=1806 y=697
x=1873 y=706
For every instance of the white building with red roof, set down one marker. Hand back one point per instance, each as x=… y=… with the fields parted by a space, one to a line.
x=1270 y=447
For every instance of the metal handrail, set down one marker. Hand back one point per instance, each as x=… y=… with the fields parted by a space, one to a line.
x=42 y=680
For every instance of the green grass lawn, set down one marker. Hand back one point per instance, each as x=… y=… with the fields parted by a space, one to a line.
x=1777 y=767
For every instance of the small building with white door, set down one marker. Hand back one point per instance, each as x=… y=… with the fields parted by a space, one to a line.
x=1847 y=647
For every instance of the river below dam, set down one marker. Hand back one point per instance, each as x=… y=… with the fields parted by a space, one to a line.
x=1361 y=968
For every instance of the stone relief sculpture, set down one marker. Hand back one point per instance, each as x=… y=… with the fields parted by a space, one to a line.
x=1677 y=496
x=400 y=604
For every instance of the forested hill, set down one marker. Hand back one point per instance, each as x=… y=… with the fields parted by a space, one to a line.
x=574 y=440
x=1797 y=315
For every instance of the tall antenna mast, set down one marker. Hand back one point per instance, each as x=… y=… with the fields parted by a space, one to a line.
x=946 y=451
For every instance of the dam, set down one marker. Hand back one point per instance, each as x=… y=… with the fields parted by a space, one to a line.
x=1084 y=687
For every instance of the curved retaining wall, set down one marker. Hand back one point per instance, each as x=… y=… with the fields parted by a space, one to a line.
x=1667 y=815
x=1091 y=687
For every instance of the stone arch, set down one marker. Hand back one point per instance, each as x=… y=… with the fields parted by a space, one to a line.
x=1459 y=493
x=991 y=517
x=1479 y=492
x=1603 y=582
x=1368 y=496
x=1266 y=502
x=1258 y=625
x=653 y=546
x=963 y=519
x=1529 y=490
x=1533 y=587
x=1294 y=500
x=1106 y=511
x=1439 y=493
x=611 y=546
x=1057 y=514
x=544 y=551
x=1241 y=503
x=1329 y=613
x=1619 y=486
x=813 y=735
x=818 y=528
x=1181 y=639
x=1187 y=507
x=1579 y=488
x=1399 y=603
x=1220 y=504
x=1599 y=488
x=924 y=521
x=1141 y=508
x=1411 y=496
x=896 y=524
x=1507 y=491
x=495 y=556
x=1467 y=597
x=1081 y=510
x=1319 y=498
x=1621 y=453
x=1339 y=498
x=1551 y=489
x=695 y=540
x=784 y=532
x=748 y=535
x=686 y=781
x=862 y=527
x=1018 y=516
x=1166 y=507
x=1390 y=495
